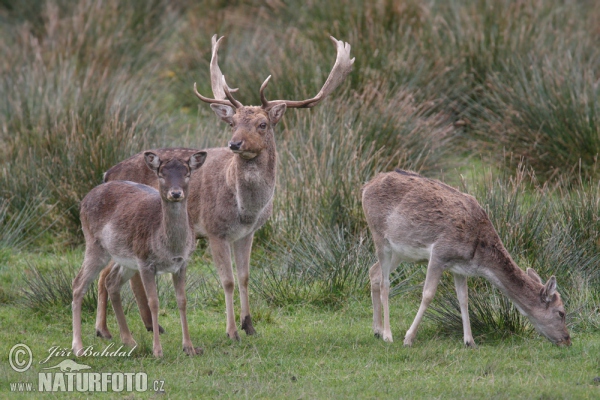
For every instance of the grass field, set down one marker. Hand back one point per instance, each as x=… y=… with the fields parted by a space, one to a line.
x=500 y=99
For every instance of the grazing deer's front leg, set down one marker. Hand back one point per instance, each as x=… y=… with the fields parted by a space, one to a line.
x=241 y=250
x=375 y=278
x=148 y=279
x=432 y=279
x=221 y=252
x=179 y=284
x=460 y=282
x=117 y=276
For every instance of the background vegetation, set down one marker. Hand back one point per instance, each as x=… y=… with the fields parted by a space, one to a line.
x=496 y=97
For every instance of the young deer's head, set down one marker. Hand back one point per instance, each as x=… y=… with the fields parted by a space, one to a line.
x=253 y=126
x=174 y=174
x=548 y=316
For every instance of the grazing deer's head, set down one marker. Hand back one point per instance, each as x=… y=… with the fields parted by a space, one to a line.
x=174 y=175
x=253 y=126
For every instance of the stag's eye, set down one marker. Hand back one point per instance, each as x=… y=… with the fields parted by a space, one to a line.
x=263 y=125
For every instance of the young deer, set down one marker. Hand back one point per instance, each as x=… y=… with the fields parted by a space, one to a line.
x=232 y=195
x=143 y=230
x=413 y=218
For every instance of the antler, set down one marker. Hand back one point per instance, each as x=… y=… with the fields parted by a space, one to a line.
x=217 y=80
x=341 y=69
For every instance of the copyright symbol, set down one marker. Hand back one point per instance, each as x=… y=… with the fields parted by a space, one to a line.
x=20 y=357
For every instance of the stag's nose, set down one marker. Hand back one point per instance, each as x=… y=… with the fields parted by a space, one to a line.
x=235 y=146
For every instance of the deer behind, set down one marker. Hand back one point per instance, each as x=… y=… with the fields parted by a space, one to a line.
x=231 y=197
x=143 y=230
x=413 y=218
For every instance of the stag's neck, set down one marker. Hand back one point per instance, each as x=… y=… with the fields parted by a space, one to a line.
x=175 y=228
x=499 y=268
x=253 y=181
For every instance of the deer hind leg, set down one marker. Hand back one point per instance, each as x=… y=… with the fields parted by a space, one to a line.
x=179 y=284
x=434 y=274
x=94 y=260
x=142 y=301
x=460 y=282
x=242 y=250
x=117 y=276
x=375 y=278
x=221 y=252
x=149 y=281
x=388 y=261
x=101 y=327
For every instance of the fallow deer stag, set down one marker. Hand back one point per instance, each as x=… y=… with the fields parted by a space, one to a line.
x=413 y=218
x=145 y=231
x=232 y=195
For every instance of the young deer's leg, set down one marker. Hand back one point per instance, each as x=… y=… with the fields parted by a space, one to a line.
x=434 y=273
x=179 y=284
x=241 y=250
x=388 y=261
x=142 y=301
x=148 y=279
x=94 y=260
x=101 y=327
x=460 y=282
x=117 y=276
x=375 y=278
x=221 y=252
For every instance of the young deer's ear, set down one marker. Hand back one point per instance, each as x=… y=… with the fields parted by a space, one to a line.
x=533 y=275
x=152 y=160
x=549 y=289
x=196 y=160
x=276 y=112
x=224 y=112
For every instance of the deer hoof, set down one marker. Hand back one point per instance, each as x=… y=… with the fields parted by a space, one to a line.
x=161 y=330
x=234 y=336
x=193 y=351
x=247 y=326
x=103 y=333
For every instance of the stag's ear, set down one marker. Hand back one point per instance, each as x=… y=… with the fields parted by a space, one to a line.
x=196 y=160
x=276 y=112
x=549 y=289
x=533 y=275
x=224 y=112
x=152 y=161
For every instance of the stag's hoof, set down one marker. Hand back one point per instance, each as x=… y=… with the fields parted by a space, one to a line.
x=247 y=326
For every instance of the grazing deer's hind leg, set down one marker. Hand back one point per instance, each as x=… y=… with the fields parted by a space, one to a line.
x=117 y=276
x=460 y=282
x=101 y=327
x=375 y=278
x=388 y=261
x=434 y=273
x=241 y=250
x=221 y=252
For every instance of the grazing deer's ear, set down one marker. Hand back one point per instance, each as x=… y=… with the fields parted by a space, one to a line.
x=152 y=160
x=276 y=112
x=549 y=289
x=224 y=112
x=533 y=275
x=196 y=160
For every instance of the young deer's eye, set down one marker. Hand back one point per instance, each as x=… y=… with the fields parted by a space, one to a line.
x=561 y=314
x=263 y=125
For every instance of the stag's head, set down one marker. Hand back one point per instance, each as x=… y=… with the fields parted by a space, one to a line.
x=253 y=125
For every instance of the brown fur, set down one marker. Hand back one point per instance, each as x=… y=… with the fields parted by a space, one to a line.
x=413 y=218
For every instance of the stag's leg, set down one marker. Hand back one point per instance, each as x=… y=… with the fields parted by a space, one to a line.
x=148 y=279
x=388 y=261
x=117 y=276
x=460 y=282
x=221 y=252
x=375 y=278
x=179 y=284
x=101 y=327
x=434 y=273
x=94 y=260
x=242 y=250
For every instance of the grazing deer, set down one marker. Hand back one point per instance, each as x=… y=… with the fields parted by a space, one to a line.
x=231 y=197
x=143 y=230
x=413 y=218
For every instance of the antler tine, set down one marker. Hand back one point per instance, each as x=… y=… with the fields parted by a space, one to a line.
x=233 y=101
x=263 y=99
x=209 y=100
x=341 y=69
